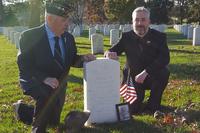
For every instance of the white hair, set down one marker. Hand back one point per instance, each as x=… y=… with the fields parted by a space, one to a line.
x=141 y=9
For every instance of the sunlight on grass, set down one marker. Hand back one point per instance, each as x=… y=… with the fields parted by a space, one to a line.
x=183 y=87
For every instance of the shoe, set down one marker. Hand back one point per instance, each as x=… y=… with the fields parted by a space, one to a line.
x=23 y=112
x=38 y=130
x=149 y=111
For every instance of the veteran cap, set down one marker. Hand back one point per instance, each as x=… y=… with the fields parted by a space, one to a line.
x=59 y=8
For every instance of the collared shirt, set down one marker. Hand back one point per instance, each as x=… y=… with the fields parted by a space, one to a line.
x=51 y=39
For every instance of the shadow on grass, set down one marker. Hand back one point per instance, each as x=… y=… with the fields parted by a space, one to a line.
x=175 y=38
x=132 y=126
x=84 y=47
x=184 y=51
x=75 y=79
x=174 y=35
x=78 y=43
x=85 y=33
x=185 y=71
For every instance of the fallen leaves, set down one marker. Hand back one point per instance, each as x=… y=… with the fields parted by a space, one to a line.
x=168 y=119
x=180 y=117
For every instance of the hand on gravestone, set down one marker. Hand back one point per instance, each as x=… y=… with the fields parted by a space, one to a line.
x=89 y=57
x=111 y=55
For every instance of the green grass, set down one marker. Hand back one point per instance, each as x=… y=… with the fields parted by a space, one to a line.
x=183 y=88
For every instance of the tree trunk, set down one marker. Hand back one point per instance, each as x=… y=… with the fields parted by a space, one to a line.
x=35 y=13
x=1 y=13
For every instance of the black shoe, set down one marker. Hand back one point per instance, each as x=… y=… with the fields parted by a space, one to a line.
x=23 y=112
x=149 y=111
x=38 y=130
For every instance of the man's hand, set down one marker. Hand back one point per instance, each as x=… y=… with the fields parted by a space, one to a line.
x=141 y=77
x=89 y=57
x=111 y=55
x=52 y=82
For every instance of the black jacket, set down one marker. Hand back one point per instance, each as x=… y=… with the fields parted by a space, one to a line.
x=150 y=52
x=35 y=59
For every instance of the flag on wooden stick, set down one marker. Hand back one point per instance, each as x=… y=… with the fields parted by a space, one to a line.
x=128 y=92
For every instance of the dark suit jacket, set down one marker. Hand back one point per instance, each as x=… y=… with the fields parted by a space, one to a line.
x=35 y=59
x=150 y=52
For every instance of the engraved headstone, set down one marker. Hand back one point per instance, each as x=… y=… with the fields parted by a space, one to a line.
x=101 y=90
x=97 y=44
x=190 y=32
x=114 y=36
x=196 y=38
x=91 y=31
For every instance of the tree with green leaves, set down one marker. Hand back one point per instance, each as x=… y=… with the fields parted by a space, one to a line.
x=35 y=10
x=159 y=11
x=180 y=10
x=120 y=10
x=94 y=12
x=194 y=11
x=1 y=12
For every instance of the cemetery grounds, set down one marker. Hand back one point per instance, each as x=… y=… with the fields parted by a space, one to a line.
x=182 y=92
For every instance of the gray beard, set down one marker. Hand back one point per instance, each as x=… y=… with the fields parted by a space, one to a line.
x=141 y=34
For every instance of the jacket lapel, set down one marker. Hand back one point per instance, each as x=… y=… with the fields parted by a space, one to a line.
x=67 y=49
x=46 y=45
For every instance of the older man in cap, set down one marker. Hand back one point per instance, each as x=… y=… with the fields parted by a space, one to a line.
x=46 y=53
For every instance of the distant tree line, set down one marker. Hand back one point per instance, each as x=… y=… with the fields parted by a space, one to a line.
x=31 y=12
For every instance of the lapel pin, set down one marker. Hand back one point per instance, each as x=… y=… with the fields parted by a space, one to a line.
x=148 y=42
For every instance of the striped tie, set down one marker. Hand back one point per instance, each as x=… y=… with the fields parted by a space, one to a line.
x=57 y=52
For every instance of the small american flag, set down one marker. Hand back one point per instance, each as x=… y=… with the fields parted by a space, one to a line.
x=128 y=92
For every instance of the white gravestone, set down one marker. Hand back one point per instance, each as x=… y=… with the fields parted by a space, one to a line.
x=91 y=31
x=101 y=90
x=126 y=28
x=97 y=44
x=77 y=31
x=114 y=36
x=161 y=28
x=196 y=38
x=1 y=29
x=106 y=30
x=16 y=39
x=12 y=35
x=121 y=27
x=190 y=32
x=185 y=31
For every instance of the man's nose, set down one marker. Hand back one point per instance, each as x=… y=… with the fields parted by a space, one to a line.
x=139 y=22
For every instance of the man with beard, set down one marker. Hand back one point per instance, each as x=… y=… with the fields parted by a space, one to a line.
x=147 y=57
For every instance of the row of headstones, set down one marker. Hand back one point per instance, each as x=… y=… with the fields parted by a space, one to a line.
x=97 y=39
x=13 y=33
x=105 y=28
x=190 y=31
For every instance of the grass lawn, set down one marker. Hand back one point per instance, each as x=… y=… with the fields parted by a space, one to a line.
x=182 y=91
